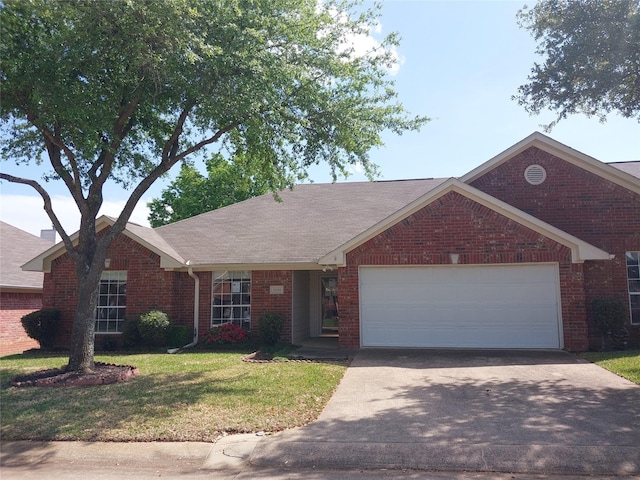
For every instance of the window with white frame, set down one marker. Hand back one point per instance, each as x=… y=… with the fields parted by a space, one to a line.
x=633 y=278
x=231 y=298
x=112 y=301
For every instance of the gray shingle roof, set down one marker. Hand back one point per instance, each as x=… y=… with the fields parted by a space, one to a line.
x=310 y=221
x=632 y=167
x=153 y=239
x=16 y=248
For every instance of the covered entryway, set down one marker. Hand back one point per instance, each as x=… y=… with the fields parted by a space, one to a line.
x=461 y=306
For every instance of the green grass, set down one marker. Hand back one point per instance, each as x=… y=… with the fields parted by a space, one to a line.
x=182 y=397
x=624 y=363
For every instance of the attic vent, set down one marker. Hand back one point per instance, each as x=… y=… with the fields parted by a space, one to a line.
x=535 y=174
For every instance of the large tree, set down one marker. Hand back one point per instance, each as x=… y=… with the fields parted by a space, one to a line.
x=120 y=91
x=592 y=58
x=192 y=193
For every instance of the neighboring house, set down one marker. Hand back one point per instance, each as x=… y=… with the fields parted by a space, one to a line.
x=20 y=291
x=510 y=255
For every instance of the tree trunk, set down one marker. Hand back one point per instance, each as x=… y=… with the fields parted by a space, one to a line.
x=89 y=267
x=83 y=333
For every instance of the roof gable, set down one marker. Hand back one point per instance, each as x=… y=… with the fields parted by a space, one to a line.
x=580 y=250
x=145 y=236
x=549 y=145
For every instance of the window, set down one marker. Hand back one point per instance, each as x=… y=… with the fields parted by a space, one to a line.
x=633 y=277
x=231 y=298
x=112 y=296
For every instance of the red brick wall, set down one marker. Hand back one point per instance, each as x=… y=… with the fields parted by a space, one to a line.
x=148 y=287
x=456 y=224
x=262 y=301
x=14 y=306
x=582 y=204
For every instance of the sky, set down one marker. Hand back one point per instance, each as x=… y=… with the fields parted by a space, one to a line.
x=460 y=64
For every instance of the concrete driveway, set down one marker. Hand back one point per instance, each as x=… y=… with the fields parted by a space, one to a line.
x=544 y=412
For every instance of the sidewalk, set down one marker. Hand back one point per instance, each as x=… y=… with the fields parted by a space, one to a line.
x=228 y=459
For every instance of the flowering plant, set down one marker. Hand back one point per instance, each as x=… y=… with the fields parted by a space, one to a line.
x=225 y=334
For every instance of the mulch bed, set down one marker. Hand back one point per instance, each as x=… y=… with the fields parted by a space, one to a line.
x=263 y=357
x=102 y=374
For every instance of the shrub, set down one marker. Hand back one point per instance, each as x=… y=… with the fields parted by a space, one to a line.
x=179 y=336
x=154 y=327
x=608 y=313
x=269 y=327
x=131 y=337
x=41 y=326
x=108 y=344
x=225 y=334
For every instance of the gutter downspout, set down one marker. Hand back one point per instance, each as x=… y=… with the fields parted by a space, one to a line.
x=196 y=311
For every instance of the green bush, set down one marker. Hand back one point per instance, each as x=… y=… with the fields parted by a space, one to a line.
x=131 y=337
x=154 y=328
x=269 y=327
x=608 y=313
x=108 y=344
x=41 y=326
x=179 y=336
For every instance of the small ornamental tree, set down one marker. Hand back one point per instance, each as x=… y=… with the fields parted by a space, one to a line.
x=121 y=91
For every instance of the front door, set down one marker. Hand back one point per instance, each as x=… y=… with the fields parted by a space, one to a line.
x=329 y=306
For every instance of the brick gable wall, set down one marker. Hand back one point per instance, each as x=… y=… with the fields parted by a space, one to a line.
x=456 y=224
x=582 y=204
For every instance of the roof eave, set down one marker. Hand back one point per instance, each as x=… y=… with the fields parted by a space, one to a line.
x=42 y=263
x=208 y=267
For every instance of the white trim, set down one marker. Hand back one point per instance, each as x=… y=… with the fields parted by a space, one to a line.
x=580 y=250
x=559 y=150
x=42 y=263
x=257 y=266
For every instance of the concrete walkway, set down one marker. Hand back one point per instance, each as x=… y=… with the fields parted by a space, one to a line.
x=482 y=411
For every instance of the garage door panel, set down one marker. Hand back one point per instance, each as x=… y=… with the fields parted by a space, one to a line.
x=474 y=307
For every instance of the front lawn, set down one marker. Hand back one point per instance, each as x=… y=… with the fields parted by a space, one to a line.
x=182 y=397
x=624 y=363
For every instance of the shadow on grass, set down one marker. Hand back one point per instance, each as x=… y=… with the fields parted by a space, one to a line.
x=134 y=408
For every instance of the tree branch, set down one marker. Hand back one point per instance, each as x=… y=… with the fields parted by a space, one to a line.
x=121 y=128
x=47 y=208
x=168 y=161
x=54 y=147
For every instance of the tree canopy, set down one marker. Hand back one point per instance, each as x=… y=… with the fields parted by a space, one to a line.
x=192 y=193
x=120 y=91
x=592 y=58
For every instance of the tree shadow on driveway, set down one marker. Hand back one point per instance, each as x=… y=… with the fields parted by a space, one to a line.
x=530 y=412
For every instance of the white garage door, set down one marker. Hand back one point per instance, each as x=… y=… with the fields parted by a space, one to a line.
x=460 y=306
